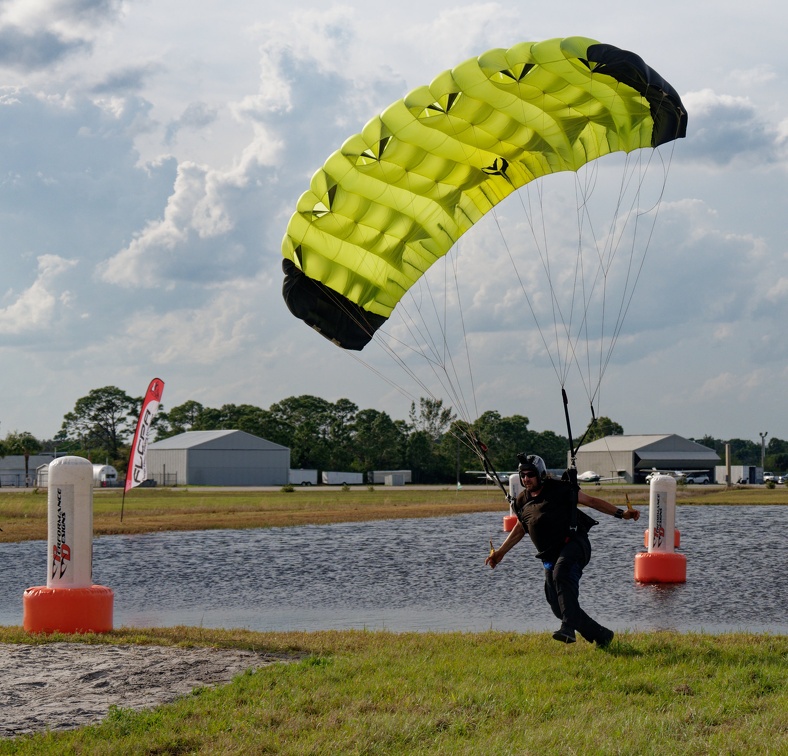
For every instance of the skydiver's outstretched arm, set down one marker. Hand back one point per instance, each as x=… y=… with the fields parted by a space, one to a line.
x=515 y=536
x=606 y=507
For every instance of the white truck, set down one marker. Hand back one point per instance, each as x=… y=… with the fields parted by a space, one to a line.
x=302 y=477
x=331 y=478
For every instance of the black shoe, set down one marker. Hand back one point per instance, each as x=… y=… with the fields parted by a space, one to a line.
x=565 y=635
x=605 y=638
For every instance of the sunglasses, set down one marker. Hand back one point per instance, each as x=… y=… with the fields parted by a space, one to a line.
x=529 y=474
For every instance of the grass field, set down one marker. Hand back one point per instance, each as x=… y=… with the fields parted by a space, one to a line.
x=23 y=514
x=493 y=693
x=357 y=692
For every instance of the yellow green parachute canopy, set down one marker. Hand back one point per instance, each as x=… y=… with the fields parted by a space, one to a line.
x=396 y=197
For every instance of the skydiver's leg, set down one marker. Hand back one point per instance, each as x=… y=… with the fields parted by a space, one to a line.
x=566 y=576
x=566 y=633
x=551 y=591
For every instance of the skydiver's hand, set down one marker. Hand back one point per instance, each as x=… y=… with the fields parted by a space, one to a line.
x=631 y=514
x=493 y=558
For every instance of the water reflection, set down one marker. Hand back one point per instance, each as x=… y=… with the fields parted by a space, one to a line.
x=424 y=575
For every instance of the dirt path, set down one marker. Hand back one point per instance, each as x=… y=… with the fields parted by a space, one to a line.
x=60 y=686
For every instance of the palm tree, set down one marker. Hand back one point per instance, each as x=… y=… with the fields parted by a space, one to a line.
x=23 y=443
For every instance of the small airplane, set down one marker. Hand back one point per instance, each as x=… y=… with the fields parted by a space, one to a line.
x=678 y=474
x=503 y=477
x=589 y=476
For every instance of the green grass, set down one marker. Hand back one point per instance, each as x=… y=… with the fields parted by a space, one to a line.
x=23 y=515
x=383 y=693
x=488 y=693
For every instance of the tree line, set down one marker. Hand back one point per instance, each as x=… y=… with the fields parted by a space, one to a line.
x=326 y=435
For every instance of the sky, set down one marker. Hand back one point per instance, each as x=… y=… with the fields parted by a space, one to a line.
x=151 y=154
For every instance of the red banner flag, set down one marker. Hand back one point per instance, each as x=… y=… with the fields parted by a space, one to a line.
x=138 y=470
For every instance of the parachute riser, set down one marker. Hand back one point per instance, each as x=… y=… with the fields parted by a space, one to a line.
x=481 y=450
x=572 y=448
x=571 y=471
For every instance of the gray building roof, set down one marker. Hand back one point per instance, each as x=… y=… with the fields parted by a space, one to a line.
x=633 y=455
x=654 y=442
x=217 y=439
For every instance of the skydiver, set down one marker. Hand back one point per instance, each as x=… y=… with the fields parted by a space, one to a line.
x=546 y=509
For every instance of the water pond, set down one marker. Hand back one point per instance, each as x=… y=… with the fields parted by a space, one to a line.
x=426 y=575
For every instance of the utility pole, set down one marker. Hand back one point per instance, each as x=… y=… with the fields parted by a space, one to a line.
x=763 y=450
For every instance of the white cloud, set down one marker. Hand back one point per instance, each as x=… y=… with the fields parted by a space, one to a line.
x=756 y=76
x=39 y=33
x=166 y=145
x=217 y=330
x=726 y=129
x=37 y=307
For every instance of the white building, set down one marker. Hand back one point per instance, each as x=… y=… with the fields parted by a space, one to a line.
x=633 y=457
x=218 y=458
x=12 y=469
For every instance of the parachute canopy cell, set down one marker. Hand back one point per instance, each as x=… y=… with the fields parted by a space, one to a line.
x=396 y=197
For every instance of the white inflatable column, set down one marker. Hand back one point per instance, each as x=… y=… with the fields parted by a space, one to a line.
x=661 y=564
x=661 y=514
x=69 y=603
x=70 y=541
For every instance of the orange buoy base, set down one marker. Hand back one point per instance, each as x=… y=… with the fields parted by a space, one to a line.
x=676 y=539
x=67 y=610
x=660 y=567
x=509 y=521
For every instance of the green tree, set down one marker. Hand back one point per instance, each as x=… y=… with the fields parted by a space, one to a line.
x=745 y=452
x=712 y=443
x=432 y=418
x=600 y=428
x=341 y=419
x=101 y=421
x=378 y=441
x=23 y=443
x=318 y=432
x=552 y=448
x=504 y=437
x=179 y=419
x=429 y=455
x=777 y=455
x=421 y=458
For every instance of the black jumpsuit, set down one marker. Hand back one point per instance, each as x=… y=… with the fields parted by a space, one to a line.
x=547 y=518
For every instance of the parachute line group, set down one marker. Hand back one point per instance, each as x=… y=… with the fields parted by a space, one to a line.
x=360 y=251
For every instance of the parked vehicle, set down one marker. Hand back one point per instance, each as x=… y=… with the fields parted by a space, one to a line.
x=697 y=478
x=302 y=477
x=767 y=476
x=342 y=478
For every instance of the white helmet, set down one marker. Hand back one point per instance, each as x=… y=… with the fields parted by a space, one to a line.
x=531 y=462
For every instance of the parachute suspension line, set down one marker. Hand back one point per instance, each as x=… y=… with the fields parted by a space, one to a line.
x=442 y=361
x=554 y=353
x=427 y=346
x=465 y=335
x=592 y=282
x=564 y=356
x=525 y=292
x=635 y=265
x=650 y=233
x=431 y=349
x=572 y=447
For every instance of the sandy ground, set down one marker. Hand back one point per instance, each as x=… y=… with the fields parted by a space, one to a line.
x=60 y=686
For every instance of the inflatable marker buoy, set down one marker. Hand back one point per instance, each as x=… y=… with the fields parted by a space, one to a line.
x=660 y=564
x=660 y=567
x=509 y=521
x=69 y=602
x=676 y=539
x=67 y=610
